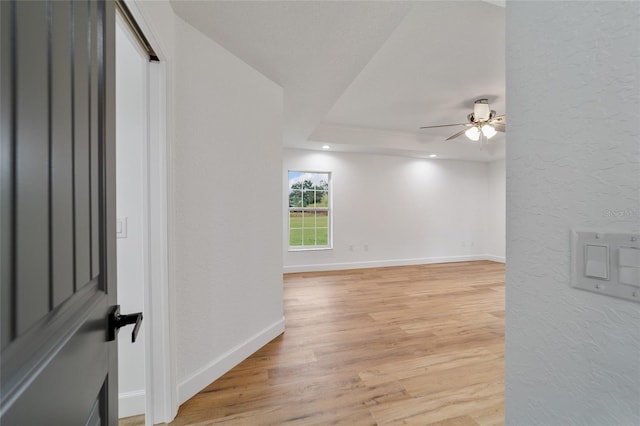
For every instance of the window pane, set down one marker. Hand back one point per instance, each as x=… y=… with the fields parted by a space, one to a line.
x=295 y=236
x=295 y=228
x=322 y=219
x=295 y=219
x=309 y=220
x=295 y=198
x=322 y=236
x=309 y=236
x=322 y=200
x=307 y=196
x=323 y=180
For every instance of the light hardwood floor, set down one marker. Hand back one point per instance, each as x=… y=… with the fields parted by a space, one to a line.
x=421 y=345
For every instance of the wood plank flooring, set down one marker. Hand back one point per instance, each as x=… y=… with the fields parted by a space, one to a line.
x=420 y=345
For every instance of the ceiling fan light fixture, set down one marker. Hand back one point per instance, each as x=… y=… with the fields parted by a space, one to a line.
x=482 y=124
x=473 y=133
x=488 y=131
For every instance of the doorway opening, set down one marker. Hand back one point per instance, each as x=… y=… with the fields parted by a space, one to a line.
x=146 y=382
x=131 y=133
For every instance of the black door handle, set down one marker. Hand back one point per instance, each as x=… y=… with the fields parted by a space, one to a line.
x=116 y=321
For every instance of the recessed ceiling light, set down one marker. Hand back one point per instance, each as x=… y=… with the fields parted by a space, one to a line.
x=433 y=155
x=326 y=147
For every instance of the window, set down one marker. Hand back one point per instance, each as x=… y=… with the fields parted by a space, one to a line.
x=309 y=210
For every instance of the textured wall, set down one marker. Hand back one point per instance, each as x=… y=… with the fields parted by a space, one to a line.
x=395 y=210
x=227 y=160
x=573 y=157
x=495 y=246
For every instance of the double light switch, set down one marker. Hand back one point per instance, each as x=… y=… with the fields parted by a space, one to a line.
x=607 y=263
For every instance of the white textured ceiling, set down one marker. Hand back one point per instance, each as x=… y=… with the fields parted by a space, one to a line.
x=364 y=76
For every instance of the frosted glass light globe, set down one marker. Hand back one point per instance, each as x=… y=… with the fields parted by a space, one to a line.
x=473 y=133
x=488 y=131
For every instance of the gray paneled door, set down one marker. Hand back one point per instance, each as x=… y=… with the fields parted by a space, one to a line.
x=57 y=220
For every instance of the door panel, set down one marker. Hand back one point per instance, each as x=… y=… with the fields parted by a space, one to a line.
x=6 y=181
x=61 y=156
x=81 y=142
x=58 y=213
x=94 y=126
x=64 y=392
x=32 y=165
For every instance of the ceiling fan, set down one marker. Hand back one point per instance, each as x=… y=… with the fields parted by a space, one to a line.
x=483 y=121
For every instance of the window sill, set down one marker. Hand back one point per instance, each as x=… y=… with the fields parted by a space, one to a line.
x=309 y=249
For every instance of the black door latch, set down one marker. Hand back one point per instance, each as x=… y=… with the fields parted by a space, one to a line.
x=116 y=321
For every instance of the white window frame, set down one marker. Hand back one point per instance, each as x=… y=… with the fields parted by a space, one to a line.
x=328 y=209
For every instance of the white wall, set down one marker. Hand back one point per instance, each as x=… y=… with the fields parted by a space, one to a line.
x=405 y=210
x=572 y=357
x=225 y=137
x=227 y=159
x=131 y=121
x=496 y=211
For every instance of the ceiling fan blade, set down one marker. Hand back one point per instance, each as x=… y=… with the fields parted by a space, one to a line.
x=500 y=127
x=460 y=133
x=444 y=125
x=498 y=118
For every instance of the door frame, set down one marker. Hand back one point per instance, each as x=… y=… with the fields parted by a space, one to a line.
x=161 y=403
x=160 y=374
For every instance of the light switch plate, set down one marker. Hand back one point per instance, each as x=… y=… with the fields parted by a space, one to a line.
x=121 y=227
x=600 y=261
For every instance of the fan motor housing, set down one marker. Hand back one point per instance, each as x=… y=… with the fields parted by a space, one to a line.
x=481 y=111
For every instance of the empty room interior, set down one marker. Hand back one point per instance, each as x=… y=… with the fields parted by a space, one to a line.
x=339 y=217
x=362 y=212
x=343 y=146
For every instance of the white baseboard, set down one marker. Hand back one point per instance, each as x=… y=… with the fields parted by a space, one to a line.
x=131 y=403
x=494 y=258
x=382 y=263
x=199 y=380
